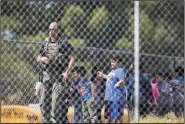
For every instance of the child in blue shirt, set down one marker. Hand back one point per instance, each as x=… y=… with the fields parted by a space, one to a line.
x=76 y=101
x=179 y=73
x=86 y=90
x=114 y=93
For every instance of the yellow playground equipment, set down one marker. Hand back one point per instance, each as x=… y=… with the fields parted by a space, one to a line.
x=28 y=114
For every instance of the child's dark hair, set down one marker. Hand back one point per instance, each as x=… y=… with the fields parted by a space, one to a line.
x=161 y=75
x=115 y=57
x=180 y=71
x=80 y=69
x=168 y=76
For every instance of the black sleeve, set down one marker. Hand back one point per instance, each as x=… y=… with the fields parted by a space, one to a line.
x=70 y=50
x=67 y=48
x=41 y=50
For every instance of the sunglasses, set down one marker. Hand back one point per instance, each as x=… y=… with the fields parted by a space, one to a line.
x=52 y=29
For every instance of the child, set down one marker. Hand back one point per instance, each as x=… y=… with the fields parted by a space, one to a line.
x=99 y=88
x=39 y=88
x=86 y=90
x=76 y=101
x=114 y=93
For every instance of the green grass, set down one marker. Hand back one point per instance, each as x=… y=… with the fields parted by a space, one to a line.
x=168 y=118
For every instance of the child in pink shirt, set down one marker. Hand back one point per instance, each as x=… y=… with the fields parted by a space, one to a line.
x=155 y=93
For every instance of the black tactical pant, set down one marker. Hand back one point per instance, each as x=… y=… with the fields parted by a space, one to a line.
x=55 y=103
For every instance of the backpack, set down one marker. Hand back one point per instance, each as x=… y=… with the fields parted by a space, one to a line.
x=177 y=97
x=165 y=98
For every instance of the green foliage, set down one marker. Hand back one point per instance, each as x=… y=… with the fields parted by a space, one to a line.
x=160 y=34
x=152 y=36
x=11 y=65
x=99 y=18
x=18 y=76
x=157 y=33
x=72 y=19
x=77 y=42
x=107 y=23
x=145 y=23
x=10 y=23
x=33 y=38
x=125 y=44
x=149 y=4
x=130 y=31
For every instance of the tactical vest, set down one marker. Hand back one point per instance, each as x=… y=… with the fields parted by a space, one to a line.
x=55 y=68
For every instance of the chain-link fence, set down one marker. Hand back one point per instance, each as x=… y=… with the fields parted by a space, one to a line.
x=96 y=30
